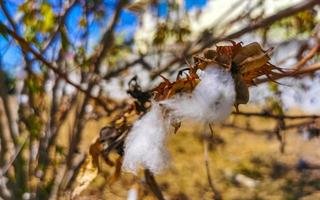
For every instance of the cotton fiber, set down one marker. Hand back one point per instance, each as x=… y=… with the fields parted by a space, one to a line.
x=145 y=144
x=211 y=101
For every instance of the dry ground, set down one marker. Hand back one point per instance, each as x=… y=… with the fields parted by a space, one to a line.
x=233 y=155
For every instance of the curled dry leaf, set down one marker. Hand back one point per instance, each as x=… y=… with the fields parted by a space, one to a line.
x=139 y=6
x=167 y=89
x=90 y=168
x=246 y=63
x=251 y=61
x=88 y=171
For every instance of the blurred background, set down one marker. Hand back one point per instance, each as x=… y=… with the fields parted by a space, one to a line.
x=64 y=73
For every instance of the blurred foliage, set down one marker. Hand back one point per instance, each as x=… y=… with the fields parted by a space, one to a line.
x=166 y=31
x=300 y=24
x=38 y=19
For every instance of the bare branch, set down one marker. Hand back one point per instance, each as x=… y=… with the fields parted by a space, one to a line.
x=60 y=26
x=269 y=132
x=304 y=71
x=150 y=180
x=207 y=165
x=5 y=169
x=107 y=39
x=123 y=68
x=269 y=115
x=304 y=5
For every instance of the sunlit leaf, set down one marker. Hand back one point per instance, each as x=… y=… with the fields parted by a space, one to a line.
x=88 y=172
x=89 y=169
x=48 y=17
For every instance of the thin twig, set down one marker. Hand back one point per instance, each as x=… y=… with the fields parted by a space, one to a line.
x=309 y=56
x=117 y=71
x=269 y=115
x=61 y=24
x=107 y=38
x=151 y=181
x=304 y=71
x=216 y=195
x=5 y=169
x=266 y=131
x=304 y=5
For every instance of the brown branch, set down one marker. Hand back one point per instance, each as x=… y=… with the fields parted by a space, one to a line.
x=151 y=182
x=248 y=11
x=298 y=125
x=246 y=129
x=107 y=42
x=304 y=5
x=3 y=142
x=62 y=20
x=269 y=115
x=309 y=56
x=269 y=132
x=6 y=168
x=299 y=68
x=7 y=109
x=107 y=39
x=79 y=123
x=304 y=71
x=227 y=13
x=216 y=194
x=117 y=71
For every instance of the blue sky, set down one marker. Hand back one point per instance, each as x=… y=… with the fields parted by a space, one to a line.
x=12 y=58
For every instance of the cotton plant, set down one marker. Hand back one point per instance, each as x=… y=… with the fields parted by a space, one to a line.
x=204 y=92
x=216 y=82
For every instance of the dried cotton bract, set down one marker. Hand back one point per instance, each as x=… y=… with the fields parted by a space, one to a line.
x=211 y=101
x=144 y=146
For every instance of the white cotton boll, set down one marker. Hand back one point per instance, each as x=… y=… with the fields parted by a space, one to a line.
x=145 y=143
x=132 y=194
x=211 y=101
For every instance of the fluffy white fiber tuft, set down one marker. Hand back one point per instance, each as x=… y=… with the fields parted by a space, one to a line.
x=211 y=101
x=145 y=144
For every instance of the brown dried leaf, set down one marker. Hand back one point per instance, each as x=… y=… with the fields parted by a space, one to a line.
x=95 y=150
x=88 y=172
x=247 y=51
x=89 y=169
x=138 y=6
x=117 y=171
x=246 y=63
x=167 y=89
x=242 y=91
x=253 y=63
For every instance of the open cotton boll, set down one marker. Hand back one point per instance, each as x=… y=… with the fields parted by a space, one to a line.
x=145 y=143
x=211 y=101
